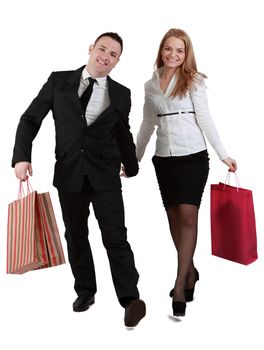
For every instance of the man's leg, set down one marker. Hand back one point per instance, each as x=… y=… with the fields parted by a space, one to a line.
x=75 y=211
x=109 y=211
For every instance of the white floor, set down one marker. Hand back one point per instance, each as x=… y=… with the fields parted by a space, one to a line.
x=227 y=311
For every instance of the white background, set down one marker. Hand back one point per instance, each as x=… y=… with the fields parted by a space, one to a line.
x=36 y=308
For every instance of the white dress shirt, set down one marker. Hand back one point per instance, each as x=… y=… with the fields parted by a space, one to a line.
x=99 y=100
x=179 y=134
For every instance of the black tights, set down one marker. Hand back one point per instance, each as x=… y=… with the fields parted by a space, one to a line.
x=183 y=221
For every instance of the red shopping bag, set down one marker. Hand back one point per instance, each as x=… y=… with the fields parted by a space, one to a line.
x=233 y=228
x=33 y=239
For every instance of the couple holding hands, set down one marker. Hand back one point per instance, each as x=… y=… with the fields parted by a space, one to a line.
x=93 y=140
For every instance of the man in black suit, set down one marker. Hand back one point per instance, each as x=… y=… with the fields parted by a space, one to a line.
x=92 y=141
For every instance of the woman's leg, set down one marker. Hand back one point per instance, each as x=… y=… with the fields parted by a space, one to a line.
x=183 y=220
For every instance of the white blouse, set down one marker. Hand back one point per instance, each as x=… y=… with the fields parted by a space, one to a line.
x=182 y=133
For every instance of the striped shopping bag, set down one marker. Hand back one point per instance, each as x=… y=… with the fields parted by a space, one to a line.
x=33 y=239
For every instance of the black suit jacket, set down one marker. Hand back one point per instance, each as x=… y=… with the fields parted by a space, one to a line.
x=96 y=150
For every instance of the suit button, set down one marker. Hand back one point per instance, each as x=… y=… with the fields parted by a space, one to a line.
x=82 y=116
x=82 y=150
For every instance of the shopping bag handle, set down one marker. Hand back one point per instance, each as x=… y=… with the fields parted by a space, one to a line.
x=21 y=192
x=227 y=180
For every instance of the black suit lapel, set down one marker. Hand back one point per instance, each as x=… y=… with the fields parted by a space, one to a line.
x=113 y=91
x=71 y=86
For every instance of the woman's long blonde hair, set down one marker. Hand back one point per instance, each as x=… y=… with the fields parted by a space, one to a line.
x=187 y=72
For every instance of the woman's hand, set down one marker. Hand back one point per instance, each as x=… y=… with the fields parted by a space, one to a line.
x=231 y=163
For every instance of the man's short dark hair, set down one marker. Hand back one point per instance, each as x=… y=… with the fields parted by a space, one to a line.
x=113 y=36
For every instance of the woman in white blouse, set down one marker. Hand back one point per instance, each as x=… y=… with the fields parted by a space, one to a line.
x=176 y=104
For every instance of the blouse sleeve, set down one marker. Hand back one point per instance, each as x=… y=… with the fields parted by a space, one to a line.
x=204 y=119
x=146 y=129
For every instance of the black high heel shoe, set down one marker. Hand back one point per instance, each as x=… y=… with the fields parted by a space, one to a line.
x=178 y=308
x=189 y=292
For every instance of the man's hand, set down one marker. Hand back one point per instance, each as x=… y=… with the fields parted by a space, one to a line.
x=22 y=169
x=123 y=172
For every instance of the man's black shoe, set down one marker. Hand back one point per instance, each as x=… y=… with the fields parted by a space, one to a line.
x=134 y=312
x=82 y=303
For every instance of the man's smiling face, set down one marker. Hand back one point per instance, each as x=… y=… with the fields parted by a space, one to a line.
x=104 y=55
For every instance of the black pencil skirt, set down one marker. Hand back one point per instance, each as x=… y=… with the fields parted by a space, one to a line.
x=182 y=179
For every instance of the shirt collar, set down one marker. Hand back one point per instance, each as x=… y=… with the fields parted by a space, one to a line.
x=156 y=81
x=157 y=72
x=100 y=80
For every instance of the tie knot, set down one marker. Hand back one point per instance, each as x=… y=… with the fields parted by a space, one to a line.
x=91 y=81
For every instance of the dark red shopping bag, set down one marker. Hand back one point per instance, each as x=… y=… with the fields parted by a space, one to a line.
x=233 y=228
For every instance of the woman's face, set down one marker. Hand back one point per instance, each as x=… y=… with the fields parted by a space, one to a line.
x=173 y=52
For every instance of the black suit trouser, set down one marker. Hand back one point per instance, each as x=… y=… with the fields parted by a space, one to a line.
x=109 y=211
